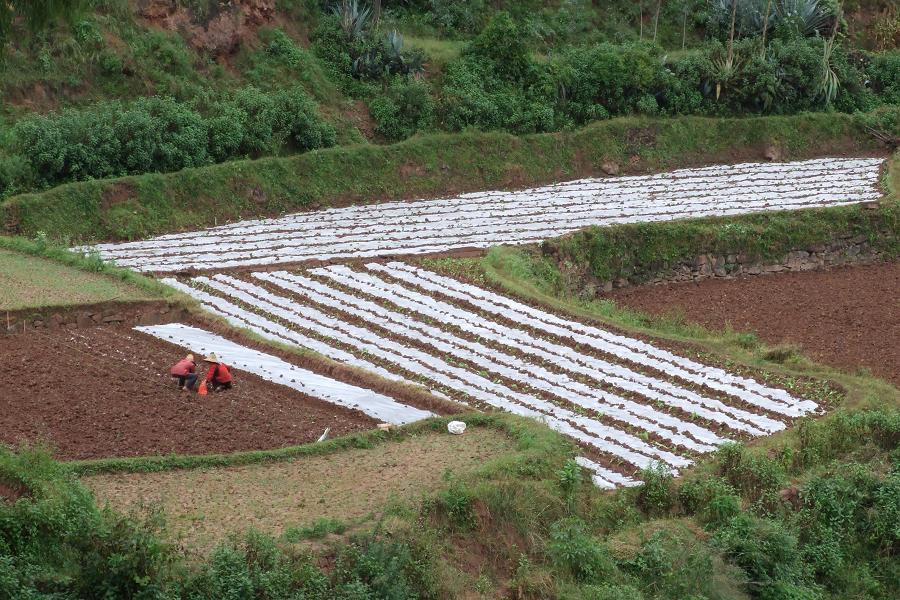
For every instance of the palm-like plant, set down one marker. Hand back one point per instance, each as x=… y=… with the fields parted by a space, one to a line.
x=727 y=68
x=830 y=82
x=809 y=16
x=353 y=18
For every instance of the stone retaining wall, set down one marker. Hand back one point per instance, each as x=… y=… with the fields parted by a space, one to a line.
x=81 y=317
x=842 y=251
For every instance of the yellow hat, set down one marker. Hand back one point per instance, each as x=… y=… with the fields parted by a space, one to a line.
x=212 y=358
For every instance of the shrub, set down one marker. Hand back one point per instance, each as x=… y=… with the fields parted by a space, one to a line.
x=457 y=503
x=473 y=96
x=655 y=495
x=56 y=542
x=503 y=44
x=388 y=59
x=161 y=135
x=569 y=479
x=572 y=548
x=884 y=74
x=608 y=79
x=406 y=107
x=754 y=476
x=767 y=552
x=15 y=175
x=453 y=16
x=712 y=499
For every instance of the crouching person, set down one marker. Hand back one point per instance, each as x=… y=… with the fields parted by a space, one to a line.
x=218 y=377
x=185 y=371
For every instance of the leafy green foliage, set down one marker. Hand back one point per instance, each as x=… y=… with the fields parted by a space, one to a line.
x=161 y=134
x=574 y=549
x=37 y=14
x=405 y=108
x=655 y=496
x=884 y=71
x=457 y=503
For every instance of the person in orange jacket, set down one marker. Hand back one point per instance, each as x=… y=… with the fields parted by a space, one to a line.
x=218 y=377
x=185 y=371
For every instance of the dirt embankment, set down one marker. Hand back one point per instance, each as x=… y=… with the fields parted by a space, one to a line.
x=847 y=317
x=220 y=31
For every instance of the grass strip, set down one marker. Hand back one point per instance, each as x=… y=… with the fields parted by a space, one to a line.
x=423 y=166
x=368 y=439
x=41 y=248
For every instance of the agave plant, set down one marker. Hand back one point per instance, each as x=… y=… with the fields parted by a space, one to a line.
x=809 y=16
x=389 y=59
x=727 y=68
x=830 y=82
x=754 y=16
x=353 y=18
x=724 y=70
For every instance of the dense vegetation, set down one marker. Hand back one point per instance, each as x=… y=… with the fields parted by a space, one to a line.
x=816 y=517
x=116 y=88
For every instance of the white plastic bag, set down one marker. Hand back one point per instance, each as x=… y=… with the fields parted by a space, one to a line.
x=456 y=427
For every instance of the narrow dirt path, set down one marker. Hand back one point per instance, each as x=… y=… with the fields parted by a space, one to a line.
x=847 y=317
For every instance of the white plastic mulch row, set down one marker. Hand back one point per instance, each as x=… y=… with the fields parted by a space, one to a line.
x=491 y=218
x=276 y=370
x=492 y=349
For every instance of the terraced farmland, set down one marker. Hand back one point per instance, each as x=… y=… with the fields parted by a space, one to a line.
x=480 y=220
x=628 y=403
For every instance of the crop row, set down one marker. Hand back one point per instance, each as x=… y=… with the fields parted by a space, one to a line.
x=627 y=402
x=490 y=218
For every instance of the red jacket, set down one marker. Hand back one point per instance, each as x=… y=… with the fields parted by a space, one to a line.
x=182 y=368
x=218 y=373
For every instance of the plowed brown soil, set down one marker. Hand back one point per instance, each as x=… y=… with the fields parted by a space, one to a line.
x=105 y=392
x=847 y=317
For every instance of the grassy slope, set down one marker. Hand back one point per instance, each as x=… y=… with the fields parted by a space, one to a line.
x=41 y=275
x=520 y=523
x=431 y=165
x=348 y=486
x=28 y=282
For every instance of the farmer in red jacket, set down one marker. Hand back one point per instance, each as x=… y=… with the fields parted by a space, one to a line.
x=219 y=375
x=185 y=371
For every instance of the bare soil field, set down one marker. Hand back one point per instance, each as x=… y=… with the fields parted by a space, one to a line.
x=201 y=506
x=106 y=392
x=847 y=317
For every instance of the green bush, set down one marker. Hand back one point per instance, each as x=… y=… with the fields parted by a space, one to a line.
x=754 y=475
x=405 y=108
x=457 y=503
x=884 y=73
x=769 y=555
x=161 y=135
x=711 y=499
x=474 y=96
x=655 y=496
x=504 y=45
x=55 y=543
x=574 y=549
x=452 y=16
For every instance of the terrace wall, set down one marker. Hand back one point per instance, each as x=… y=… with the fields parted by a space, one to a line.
x=95 y=315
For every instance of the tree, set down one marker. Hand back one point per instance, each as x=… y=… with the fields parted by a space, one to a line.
x=765 y=30
x=37 y=15
x=656 y=18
